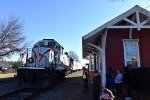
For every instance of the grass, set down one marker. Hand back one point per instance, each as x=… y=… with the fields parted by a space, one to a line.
x=6 y=75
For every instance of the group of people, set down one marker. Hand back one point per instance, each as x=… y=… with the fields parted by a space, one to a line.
x=113 y=84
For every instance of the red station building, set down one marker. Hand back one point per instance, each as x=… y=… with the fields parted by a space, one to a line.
x=118 y=41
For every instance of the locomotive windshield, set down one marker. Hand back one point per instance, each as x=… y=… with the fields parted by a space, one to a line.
x=44 y=44
x=51 y=44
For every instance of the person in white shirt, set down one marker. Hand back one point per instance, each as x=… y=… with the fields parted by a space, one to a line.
x=118 y=82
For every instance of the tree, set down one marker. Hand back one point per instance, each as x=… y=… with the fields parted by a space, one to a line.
x=73 y=56
x=15 y=65
x=11 y=37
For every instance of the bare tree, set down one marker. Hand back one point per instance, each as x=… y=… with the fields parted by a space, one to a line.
x=73 y=56
x=11 y=37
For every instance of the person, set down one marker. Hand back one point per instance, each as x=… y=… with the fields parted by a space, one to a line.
x=127 y=80
x=96 y=85
x=85 y=80
x=106 y=94
x=118 y=82
x=110 y=79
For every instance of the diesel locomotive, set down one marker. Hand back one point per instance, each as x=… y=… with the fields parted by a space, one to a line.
x=44 y=64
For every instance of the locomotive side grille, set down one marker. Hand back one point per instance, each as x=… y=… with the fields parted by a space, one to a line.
x=29 y=75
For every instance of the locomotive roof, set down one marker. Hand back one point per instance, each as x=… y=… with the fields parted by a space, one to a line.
x=52 y=40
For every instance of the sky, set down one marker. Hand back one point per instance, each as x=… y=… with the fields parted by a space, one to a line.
x=66 y=21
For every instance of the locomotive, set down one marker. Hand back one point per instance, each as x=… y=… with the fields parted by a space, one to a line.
x=44 y=64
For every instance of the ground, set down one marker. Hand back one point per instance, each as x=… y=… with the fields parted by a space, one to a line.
x=70 y=89
x=4 y=76
x=138 y=95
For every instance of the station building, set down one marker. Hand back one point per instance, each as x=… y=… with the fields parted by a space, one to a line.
x=118 y=41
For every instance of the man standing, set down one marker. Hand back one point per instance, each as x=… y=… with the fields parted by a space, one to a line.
x=85 y=80
x=110 y=79
x=96 y=86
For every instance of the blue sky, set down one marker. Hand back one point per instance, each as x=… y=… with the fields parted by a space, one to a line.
x=65 y=20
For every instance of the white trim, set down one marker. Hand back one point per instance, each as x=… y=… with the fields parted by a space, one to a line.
x=131 y=22
x=100 y=50
x=104 y=37
x=100 y=61
x=139 y=63
x=124 y=53
x=145 y=26
x=97 y=61
x=117 y=19
x=136 y=9
x=111 y=22
x=126 y=27
x=144 y=22
x=129 y=26
x=138 y=19
x=99 y=58
x=130 y=40
x=95 y=46
x=90 y=63
x=137 y=45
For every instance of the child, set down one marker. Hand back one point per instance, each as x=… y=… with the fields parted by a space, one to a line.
x=106 y=95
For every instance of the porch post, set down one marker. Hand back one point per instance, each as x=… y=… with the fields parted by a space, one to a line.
x=97 y=61
x=95 y=65
x=100 y=61
x=90 y=62
x=104 y=36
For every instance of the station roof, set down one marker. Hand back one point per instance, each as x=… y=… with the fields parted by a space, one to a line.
x=93 y=36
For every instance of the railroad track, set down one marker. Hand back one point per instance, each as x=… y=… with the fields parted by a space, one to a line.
x=29 y=93
x=21 y=94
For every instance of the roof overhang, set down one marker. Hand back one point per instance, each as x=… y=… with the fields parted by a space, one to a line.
x=92 y=36
x=86 y=48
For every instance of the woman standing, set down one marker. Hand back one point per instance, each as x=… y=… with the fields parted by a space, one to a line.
x=118 y=82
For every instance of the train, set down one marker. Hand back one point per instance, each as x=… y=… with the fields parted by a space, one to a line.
x=44 y=64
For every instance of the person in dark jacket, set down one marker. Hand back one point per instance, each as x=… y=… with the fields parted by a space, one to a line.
x=127 y=80
x=110 y=79
x=96 y=85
